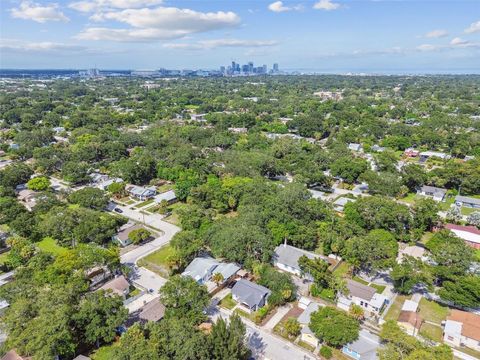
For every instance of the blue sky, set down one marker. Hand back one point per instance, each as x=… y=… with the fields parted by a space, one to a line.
x=322 y=35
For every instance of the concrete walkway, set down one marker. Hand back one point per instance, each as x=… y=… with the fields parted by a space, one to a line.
x=281 y=312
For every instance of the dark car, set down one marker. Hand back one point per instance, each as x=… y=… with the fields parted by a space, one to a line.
x=118 y=210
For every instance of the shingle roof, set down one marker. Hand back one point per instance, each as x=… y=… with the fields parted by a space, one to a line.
x=466 y=199
x=117 y=285
x=249 y=293
x=167 y=196
x=289 y=255
x=304 y=317
x=366 y=345
x=359 y=290
x=152 y=311
x=433 y=190
x=470 y=323
x=203 y=267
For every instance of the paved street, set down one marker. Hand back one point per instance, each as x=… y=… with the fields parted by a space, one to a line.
x=142 y=277
x=265 y=345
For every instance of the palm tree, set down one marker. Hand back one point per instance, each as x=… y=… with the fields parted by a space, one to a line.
x=217 y=278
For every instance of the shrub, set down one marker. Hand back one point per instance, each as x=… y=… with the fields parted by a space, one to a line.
x=326 y=352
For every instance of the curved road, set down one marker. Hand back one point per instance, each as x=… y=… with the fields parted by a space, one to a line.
x=141 y=276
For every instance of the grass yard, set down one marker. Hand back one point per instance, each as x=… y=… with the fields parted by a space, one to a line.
x=145 y=203
x=3 y=257
x=227 y=302
x=410 y=198
x=468 y=211
x=432 y=311
x=49 y=245
x=379 y=288
x=342 y=270
x=427 y=236
x=305 y=345
x=360 y=280
x=158 y=261
x=396 y=308
x=431 y=332
x=471 y=352
x=165 y=188
x=244 y=314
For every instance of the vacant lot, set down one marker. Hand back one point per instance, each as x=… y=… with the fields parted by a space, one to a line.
x=158 y=261
x=432 y=311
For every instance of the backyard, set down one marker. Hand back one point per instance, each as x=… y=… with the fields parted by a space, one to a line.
x=396 y=308
x=50 y=246
x=432 y=311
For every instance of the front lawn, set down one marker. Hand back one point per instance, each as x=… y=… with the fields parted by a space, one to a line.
x=227 y=302
x=145 y=203
x=3 y=257
x=396 y=308
x=245 y=314
x=467 y=211
x=158 y=261
x=49 y=245
x=360 y=280
x=432 y=311
x=306 y=346
x=431 y=332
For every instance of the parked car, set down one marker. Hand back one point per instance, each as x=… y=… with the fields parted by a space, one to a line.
x=118 y=210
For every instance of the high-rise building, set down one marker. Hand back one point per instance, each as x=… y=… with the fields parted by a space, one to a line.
x=275 y=67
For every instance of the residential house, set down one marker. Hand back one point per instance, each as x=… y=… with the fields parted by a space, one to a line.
x=306 y=334
x=362 y=295
x=469 y=234
x=425 y=155
x=122 y=236
x=437 y=194
x=415 y=251
x=168 y=196
x=141 y=193
x=467 y=202
x=355 y=147
x=409 y=318
x=152 y=311
x=98 y=275
x=364 y=348
x=202 y=269
x=411 y=152
x=339 y=204
x=286 y=257
x=378 y=148
x=119 y=286
x=28 y=198
x=250 y=295
x=462 y=329
x=103 y=181
x=198 y=117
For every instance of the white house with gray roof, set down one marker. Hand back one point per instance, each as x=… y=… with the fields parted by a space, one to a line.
x=437 y=194
x=364 y=348
x=285 y=257
x=141 y=193
x=362 y=295
x=201 y=269
x=250 y=295
x=306 y=334
x=467 y=202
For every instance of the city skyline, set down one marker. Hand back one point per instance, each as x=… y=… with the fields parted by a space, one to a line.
x=324 y=36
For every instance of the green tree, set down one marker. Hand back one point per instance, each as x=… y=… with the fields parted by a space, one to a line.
x=375 y=251
x=89 y=197
x=183 y=297
x=98 y=315
x=413 y=176
x=409 y=273
x=463 y=291
x=227 y=341
x=292 y=327
x=40 y=183
x=333 y=326
x=139 y=235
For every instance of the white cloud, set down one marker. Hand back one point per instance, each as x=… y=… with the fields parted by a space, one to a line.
x=33 y=11
x=39 y=47
x=436 y=34
x=158 y=24
x=96 y=5
x=278 y=6
x=427 y=47
x=473 y=28
x=212 y=44
x=458 y=41
x=326 y=5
